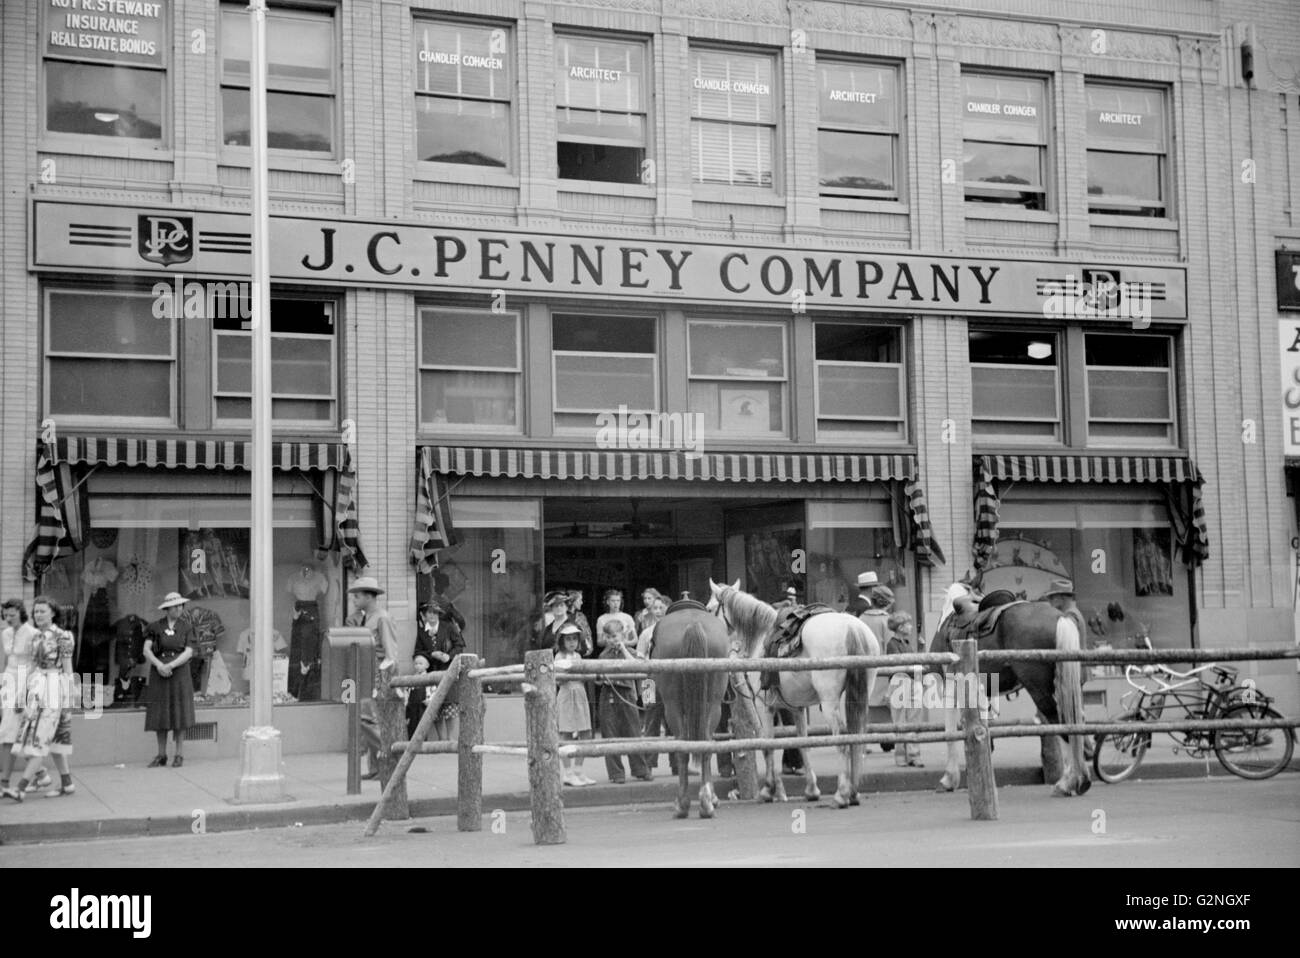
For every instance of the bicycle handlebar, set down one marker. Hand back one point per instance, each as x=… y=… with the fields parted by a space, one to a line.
x=1153 y=672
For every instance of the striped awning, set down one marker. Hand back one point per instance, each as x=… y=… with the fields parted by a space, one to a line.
x=194 y=453
x=630 y=465
x=1179 y=479
x=1089 y=468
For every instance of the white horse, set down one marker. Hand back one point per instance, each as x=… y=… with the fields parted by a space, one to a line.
x=831 y=634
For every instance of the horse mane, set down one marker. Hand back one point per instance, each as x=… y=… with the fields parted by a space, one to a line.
x=751 y=617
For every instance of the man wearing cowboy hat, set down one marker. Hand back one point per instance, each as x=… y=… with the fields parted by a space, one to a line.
x=1060 y=594
x=367 y=613
x=862 y=601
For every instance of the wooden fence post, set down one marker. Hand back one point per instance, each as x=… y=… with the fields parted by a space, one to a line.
x=469 y=766
x=390 y=712
x=544 y=771
x=744 y=724
x=980 y=784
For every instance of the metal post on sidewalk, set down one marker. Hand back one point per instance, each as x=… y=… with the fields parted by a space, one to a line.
x=354 y=721
x=260 y=777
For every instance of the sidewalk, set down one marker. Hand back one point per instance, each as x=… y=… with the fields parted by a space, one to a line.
x=114 y=801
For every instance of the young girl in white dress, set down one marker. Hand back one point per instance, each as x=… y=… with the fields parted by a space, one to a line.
x=572 y=705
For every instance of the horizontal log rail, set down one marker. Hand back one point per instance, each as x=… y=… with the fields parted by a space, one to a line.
x=541 y=674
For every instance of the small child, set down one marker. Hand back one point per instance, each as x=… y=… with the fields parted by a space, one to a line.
x=571 y=704
x=902 y=641
x=417 y=697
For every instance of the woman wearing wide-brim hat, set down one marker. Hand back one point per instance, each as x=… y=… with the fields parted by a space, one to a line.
x=169 y=644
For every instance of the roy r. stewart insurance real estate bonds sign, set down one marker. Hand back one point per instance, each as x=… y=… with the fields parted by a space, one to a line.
x=420 y=256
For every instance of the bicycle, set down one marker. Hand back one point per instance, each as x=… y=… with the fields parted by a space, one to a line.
x=1249 y=753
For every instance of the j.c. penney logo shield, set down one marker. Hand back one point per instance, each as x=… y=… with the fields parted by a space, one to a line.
x=165 y=240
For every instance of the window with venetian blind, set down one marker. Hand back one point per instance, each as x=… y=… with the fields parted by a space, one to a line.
x=733 y=118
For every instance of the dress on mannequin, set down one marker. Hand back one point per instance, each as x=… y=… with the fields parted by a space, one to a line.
x=97 y=631
x=307 y=586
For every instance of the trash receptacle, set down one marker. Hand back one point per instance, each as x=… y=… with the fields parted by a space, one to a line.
x=336 y=663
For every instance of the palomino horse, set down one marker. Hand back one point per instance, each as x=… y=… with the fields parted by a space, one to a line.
x=692 y=700
x=1055 y=689
x=824 y=636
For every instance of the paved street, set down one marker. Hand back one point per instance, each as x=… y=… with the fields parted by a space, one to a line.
x=1154 y=824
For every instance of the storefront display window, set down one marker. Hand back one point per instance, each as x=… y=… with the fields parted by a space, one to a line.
x=861 y=393
x=141 y=548
x=858 y=129
x=1118 y=552
x=739 y=377
x=302 y=79
x=494 y=576
x=601 y=96
x=464 y=89
x=106 y=76
x=471 y=369
x=1128 y=159
x=846 y=539
x=1005 y=130
x=733 y=118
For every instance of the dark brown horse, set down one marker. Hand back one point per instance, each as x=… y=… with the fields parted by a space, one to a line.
x=692 y=700
x=1056 y=688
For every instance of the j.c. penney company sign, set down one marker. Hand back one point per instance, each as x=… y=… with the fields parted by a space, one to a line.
x=342 y=252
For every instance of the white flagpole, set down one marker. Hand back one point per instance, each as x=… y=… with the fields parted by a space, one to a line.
x=260 y=778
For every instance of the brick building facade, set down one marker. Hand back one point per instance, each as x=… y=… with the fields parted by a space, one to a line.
x=841 y=233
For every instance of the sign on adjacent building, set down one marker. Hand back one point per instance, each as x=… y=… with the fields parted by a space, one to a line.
x=1288 y=279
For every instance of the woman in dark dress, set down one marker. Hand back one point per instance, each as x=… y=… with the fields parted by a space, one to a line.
x=438 y=638
x=168 y=647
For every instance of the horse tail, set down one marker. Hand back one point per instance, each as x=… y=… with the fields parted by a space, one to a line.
x=695 y=687
x=858 y=682
x=1069 y=694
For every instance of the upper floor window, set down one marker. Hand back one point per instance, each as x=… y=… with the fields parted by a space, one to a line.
x=1015 y=386
x=861 y=393
x=858 y=129
x=304 y=377
x=600 y=91
x=739 y=375
x=733 y=118
x=471 y=370
x=108 y=355
x=301 y=79
x=106 y=68
x=1130 y=390
x=1128 y=161
x=1005 y=131
x=464 y=89
x=602 y=363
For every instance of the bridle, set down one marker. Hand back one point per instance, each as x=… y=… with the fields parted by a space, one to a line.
x=746 y=689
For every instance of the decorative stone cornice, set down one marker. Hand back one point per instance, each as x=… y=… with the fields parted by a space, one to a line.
x=1008 y=34
x=845 y=18
x=741 y=11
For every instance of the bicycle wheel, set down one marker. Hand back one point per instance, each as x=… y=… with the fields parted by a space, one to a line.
x=1254 y=753
x=1117 y=756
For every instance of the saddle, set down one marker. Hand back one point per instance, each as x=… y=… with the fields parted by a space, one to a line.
x=981 y=623
x=784 y=641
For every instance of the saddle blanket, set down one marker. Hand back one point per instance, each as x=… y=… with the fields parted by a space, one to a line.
x=785 y=640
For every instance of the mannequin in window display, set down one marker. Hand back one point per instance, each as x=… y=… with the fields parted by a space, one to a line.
x=308 y=586
x=96 y=617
